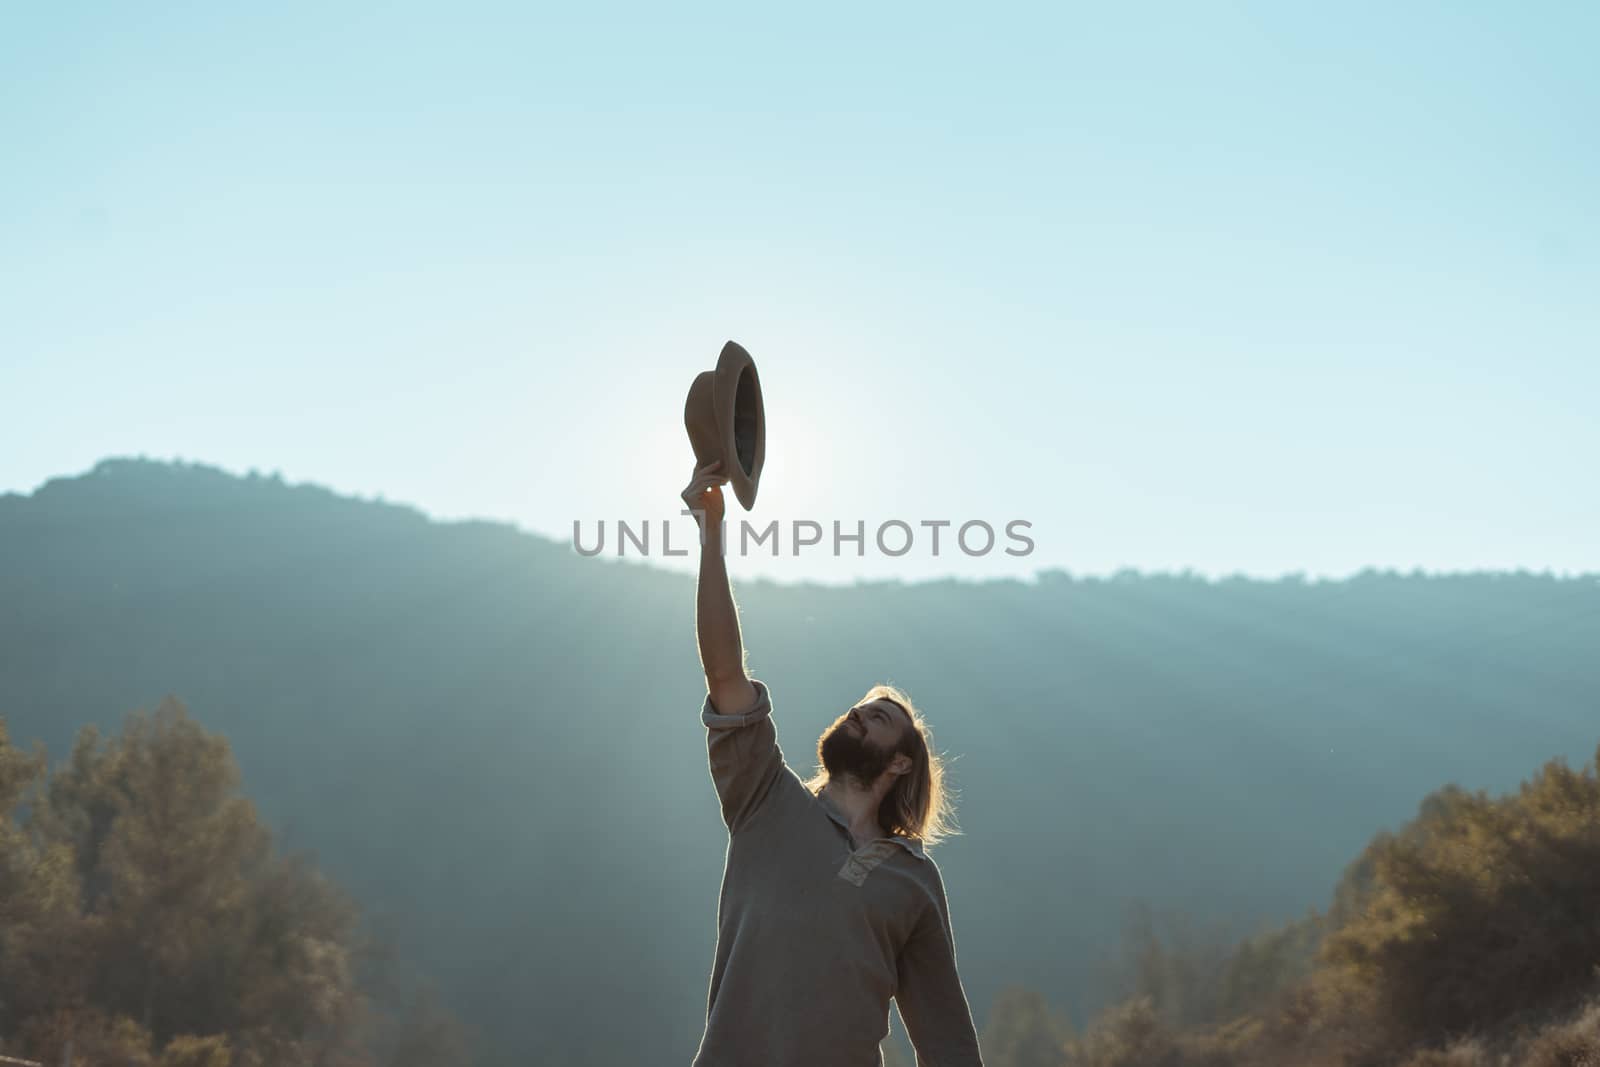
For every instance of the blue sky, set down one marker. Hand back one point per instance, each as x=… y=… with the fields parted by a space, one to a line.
x=1235 y=288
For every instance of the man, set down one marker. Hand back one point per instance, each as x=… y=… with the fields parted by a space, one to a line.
x=830 y=904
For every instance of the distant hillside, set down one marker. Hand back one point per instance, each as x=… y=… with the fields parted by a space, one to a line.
x=495 y=742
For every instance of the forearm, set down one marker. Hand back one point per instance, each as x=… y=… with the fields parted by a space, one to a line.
x=716 y=618
x=932 y=1001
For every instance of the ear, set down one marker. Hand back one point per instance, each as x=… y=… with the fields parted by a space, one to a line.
x=901 y=764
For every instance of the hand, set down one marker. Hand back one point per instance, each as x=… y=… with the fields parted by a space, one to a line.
x=704 y=493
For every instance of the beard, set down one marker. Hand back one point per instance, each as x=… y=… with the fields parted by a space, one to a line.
x=846 y=755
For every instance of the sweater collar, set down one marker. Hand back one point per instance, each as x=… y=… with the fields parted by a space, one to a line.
x=912 y=845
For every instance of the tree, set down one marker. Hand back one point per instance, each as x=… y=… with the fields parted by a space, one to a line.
x=1479 y=908
x=145 y=907
x=1128 y=1035
x=1022 y=1031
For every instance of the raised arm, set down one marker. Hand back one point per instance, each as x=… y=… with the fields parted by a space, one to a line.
x=716 y=618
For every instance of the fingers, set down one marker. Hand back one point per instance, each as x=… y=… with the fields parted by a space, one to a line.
x=706 y=478
x=702 y=479
x=701 y=497
x=699 y=489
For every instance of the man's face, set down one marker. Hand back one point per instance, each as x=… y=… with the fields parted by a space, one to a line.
x=862 y=742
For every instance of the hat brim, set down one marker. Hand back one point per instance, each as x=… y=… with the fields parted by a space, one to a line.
x=741 y=420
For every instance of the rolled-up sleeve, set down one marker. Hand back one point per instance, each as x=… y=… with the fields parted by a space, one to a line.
x=932 y=1003
x=745 y=758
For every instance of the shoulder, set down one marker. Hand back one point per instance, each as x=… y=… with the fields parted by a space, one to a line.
x=935 y=900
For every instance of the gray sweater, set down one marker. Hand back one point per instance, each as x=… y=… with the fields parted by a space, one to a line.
x=814 y=938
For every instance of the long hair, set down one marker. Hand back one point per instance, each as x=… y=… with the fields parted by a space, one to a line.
x=918 y=804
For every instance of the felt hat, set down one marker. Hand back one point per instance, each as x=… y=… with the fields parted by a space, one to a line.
x=726 y=421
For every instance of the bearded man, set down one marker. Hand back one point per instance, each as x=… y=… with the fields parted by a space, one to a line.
x=830 y=903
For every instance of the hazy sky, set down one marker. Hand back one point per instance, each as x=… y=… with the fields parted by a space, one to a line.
x=1250 y=289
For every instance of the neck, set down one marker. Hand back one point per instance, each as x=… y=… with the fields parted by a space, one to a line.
x=858 y=805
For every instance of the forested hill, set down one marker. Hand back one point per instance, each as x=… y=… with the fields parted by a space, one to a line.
x=495 y=742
